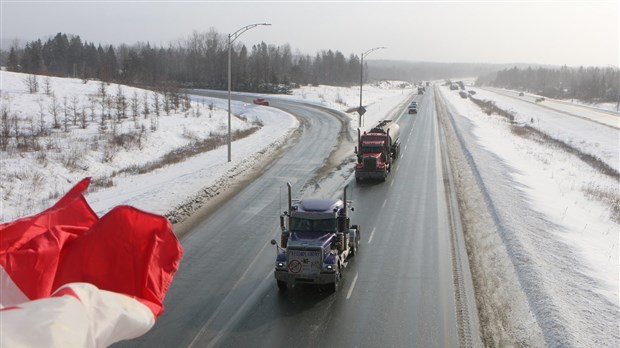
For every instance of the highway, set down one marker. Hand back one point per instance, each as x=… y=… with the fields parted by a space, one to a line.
x=397 y=292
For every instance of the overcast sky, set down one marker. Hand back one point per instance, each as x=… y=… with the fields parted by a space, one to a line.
x=552 y=32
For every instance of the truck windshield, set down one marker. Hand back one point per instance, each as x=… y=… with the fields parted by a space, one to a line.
x=306 y=225
x=371 y=148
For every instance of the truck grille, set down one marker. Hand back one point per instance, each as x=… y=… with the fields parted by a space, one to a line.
x=370 y=163
x=303 y=262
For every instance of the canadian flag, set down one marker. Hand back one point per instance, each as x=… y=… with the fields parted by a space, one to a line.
x=71 y=279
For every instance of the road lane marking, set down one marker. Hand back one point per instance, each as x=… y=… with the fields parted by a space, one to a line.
x=352 y=285
x=372 y=234
x=384 y=201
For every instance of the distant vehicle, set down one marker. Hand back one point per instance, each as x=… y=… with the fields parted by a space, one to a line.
x=538 y=100
x=420 y=90
x=261 y=101
x=521 y=94
x=428 y=83
x=463 y=94
x=413 y=109
x=471 y=92
x=454 y=87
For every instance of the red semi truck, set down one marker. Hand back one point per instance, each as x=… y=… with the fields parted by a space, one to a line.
x=376 y=150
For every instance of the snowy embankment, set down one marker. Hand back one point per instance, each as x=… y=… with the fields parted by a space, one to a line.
x=543 y=226
x=600 y=139
x=92 y=136
x=91 y=139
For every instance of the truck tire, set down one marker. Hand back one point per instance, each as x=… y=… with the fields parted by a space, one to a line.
x=282 y=285
x=356 y=242
x=333 y=287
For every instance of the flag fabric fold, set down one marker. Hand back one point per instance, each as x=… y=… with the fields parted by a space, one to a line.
x=76 y=279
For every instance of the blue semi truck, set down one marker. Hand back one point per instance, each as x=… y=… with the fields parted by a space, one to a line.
x=317 y=240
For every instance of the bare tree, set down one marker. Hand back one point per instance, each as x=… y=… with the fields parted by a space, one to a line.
x=102 y=90
x=121 y=104
x=42 y=128
x=109 y=102
x=83 y=117
x=47 y=86
x=197 y=112
x=104 y=105
x=166 y=102
x=145 y=109
x=135 y=105
x=54 y=109
x=91 y=107
x=5 y=127
x=75 y=109
x=65 y=106
x=32 y=83
x=156 y=103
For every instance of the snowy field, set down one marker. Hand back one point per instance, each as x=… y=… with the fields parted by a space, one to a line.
x=555 y=222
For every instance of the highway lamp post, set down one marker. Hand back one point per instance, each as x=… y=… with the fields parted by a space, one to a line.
x=231 y=38
x=361 y=111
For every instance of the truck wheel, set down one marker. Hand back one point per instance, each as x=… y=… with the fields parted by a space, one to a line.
x=358 y=180
x=281 y=285
x=358 y=239
x=356 y=242
x=333 y=287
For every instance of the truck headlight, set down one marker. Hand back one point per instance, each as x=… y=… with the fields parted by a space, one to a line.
x=329 y=264
x=329 y=268
x=281 y=264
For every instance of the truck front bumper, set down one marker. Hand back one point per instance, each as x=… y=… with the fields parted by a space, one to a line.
x=318 y=279
x=370 y=175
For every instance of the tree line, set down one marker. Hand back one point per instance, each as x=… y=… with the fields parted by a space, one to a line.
x=199 y=61
x=592 y=84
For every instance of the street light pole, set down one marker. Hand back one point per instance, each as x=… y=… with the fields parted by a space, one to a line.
x=361 y=109
x=231 y=38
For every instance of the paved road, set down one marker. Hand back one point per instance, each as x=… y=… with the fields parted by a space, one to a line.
x=397 y=292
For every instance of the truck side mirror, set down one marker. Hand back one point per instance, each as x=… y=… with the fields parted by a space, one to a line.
x=355 y=151
x=273 y=242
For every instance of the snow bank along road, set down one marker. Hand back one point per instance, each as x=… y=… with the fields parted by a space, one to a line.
x=539 y=279
x=398 y=291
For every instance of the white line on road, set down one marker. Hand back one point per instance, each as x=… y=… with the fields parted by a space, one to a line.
x=371 y=234
x=352 y=285
x=384 y=201
x=392 y=182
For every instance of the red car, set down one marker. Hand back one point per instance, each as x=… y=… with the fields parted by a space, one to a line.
x=261 y=101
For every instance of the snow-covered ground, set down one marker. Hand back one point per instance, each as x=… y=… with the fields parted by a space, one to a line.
x=554 y=219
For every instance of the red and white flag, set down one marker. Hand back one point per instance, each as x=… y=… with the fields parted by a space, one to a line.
x=71 y=279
